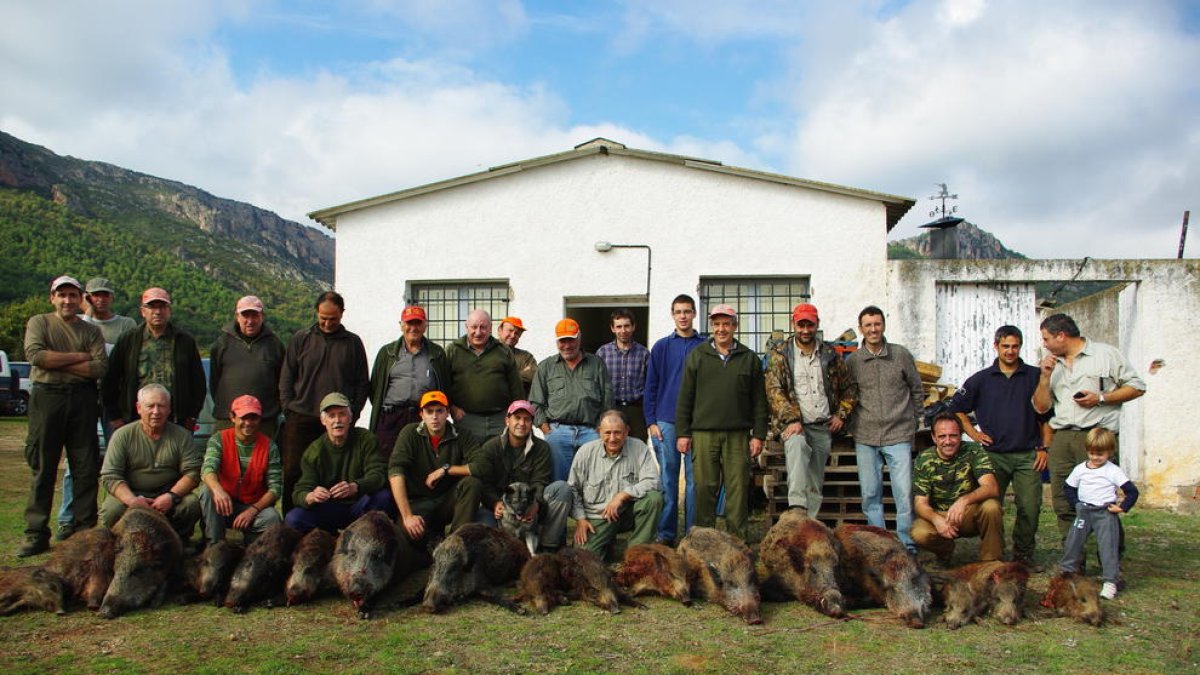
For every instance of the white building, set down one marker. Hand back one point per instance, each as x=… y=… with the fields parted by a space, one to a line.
x=532 y=239
x=521 y=239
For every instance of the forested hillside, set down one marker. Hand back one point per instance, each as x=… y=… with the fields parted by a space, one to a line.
x=40 y=239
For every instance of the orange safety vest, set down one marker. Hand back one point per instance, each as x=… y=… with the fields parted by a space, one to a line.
x=248 y=489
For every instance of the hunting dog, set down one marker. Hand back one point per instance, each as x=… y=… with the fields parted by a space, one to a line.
x=518 y=499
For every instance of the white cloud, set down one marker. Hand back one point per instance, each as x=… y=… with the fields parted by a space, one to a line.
x=1067 y=128
x=148 y=94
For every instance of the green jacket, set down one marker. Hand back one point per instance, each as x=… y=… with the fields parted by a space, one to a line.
x=414 y=458
x=718 y=395
x=486 y=383
x=239 y=365
x=500 y=464
x=324 y=464
x=120 y=385
x=386 y=358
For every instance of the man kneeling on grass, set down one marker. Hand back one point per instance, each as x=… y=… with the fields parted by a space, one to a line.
x=242 y=476
x=955 y=495
x=614 y=480
x=342 y=474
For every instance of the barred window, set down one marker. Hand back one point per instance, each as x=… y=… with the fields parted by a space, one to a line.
x=763 y=304
x=447 y=304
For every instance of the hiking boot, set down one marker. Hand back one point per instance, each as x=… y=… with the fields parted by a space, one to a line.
x=1030 y=564
x=64 y=530
x=1108 y=591
x=33 y=547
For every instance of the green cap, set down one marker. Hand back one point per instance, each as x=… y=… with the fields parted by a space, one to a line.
x=334 y=399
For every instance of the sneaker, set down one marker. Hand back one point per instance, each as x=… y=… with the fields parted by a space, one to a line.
x=33 y=547
x=1108 y=591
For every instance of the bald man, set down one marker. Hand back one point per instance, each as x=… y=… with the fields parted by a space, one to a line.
x=484 y=378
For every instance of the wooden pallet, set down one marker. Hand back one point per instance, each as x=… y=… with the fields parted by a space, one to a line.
x=842 y=495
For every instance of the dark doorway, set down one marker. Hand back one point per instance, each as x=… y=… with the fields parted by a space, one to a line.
x=593 y=316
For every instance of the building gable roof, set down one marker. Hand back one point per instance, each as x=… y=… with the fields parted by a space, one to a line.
x=896 y=206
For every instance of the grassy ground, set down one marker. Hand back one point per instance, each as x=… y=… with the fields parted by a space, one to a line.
x=1153 y=627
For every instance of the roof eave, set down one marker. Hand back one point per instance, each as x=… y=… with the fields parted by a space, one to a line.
x=895 y=206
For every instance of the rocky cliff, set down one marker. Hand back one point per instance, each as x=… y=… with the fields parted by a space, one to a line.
x=974 y=243
x=284 y=248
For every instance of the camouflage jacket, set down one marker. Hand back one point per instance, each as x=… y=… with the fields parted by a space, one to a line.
x=781 y=391
x=943 y=482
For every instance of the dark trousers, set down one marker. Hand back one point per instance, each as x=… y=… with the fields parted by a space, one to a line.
x=457 y=506
x=299 y=431
x=389 y=424
x=1016 y=469
x=637 y=420
x=332 y=516
x=62 y=416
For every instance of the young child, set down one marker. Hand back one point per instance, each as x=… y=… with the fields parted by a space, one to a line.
x=1092 y=490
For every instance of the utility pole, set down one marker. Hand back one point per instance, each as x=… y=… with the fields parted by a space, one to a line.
x=1183 y=234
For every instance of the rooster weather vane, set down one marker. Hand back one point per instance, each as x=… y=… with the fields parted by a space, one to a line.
x=943 y=195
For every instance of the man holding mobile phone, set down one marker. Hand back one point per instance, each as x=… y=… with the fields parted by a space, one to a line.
x=1085 y=382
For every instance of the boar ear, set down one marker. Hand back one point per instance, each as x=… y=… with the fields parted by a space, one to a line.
x=712 y=569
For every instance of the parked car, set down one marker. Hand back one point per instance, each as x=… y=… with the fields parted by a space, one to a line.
x=205 y=424
x=13 y=399
x=20 y=404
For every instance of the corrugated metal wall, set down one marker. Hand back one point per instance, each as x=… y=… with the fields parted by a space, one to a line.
x=968 y=315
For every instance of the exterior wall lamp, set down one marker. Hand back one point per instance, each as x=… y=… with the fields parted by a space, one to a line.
x=606 y=246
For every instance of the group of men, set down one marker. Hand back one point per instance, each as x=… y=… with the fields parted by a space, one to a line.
x=1026 y=418
x=459 y=417
x=450 y=428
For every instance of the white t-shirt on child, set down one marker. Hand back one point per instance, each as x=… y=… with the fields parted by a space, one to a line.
x=1097 y=487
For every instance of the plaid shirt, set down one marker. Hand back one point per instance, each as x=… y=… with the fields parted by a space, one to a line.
x=627 y=368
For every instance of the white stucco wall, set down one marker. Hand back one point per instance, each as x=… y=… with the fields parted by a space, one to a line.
x=537 y=228
x=1157 y=322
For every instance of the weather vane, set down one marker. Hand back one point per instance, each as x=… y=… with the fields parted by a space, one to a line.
x=943 y=195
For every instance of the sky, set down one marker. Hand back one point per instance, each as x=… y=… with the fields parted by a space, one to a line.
x=1067 y=128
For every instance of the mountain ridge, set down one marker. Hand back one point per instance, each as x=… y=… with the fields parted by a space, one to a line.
x=89 y=188
x=60 y=214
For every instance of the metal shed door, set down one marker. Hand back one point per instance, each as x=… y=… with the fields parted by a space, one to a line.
x=967 y=318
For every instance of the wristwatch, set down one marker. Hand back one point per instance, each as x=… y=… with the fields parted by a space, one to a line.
x=175 y=499
x=446 y=469
x=1101 y=398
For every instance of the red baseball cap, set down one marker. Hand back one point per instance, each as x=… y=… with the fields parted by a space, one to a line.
x=723 y=310
x=412 y=313
x=244 y=405
x=520 y=404
x=805 y=312
x=155 y=294
x=250 y=303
